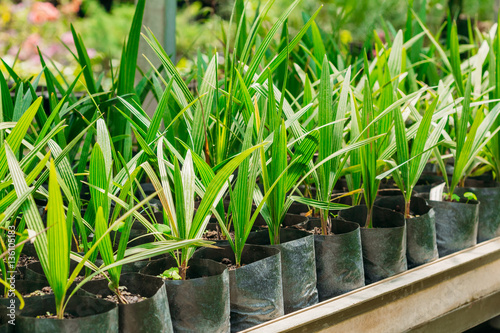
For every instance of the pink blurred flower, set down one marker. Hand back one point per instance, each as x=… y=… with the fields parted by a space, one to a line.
x=28 y=47
x=52 y=50
x=71 y=8
x=92 y=53
x=18 y=7
x=67 y=38
x=42 y=12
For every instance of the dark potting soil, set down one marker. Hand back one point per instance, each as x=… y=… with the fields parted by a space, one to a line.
x=131 y=298
x=25 y=260
x=44 y=291
x=80 y=278
x=314 y=231
x=214 y=235
x=229 y=263
x=49 y=315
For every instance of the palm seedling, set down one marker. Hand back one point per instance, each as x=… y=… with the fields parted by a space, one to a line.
x=331 y=140
x=53 y=247
x=178 y=196
x=120 y=189
x=411 y=163
x=279 y=169
x=469 y=141
x=333 y=153
x=492 y=151
x=59 y=243
x=241 y=197
x=33 y=162
x=375 y=119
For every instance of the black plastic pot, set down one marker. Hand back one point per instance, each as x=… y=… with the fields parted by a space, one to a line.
x=8 y=313
x=135 y=267
x=5 y=327
x=34 y=272
x=420 y=230
x=298 y=266
x=489 y=217
x=92 y=315
x=201 y=302
x=456 y=225
x=138 y=233
x=339 y=258
x=256 y=291
x=297 y=208
x=149 y=315
x=29 y=250
x=214 y=226
x=384 y=245
x=24 y=287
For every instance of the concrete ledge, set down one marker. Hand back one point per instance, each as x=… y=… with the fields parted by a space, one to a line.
x=451 y=294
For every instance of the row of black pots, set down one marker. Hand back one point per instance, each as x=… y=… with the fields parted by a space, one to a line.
x=393 y=243
x=352 y=256
x=269 y=284
x=200 y=303
x=487 y=193
x=338 y=259
x=92 y=314
x=489 y=219
x=272 y=281
x=259 y=291
x=305 y=268
x=421 y=246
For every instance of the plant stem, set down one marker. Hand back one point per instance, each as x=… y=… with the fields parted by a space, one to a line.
x=238 y=260
x=60 y=310
x=120 y=297
x=183 y=269
x=274 y=234
x=407 y=209
x=462 y=182
x=276 y=237
x=324 y=221
x=368 y=223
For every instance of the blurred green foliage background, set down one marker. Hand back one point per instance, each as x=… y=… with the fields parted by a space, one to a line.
x=104 y=24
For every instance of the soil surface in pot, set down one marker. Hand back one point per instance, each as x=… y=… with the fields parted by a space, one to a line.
x=25 y=260
x=52 y=316
x=128 y=296
x=215 y=235
x=80 y=278
x=212 y=235
x=314 y=230
x=229 y=263
x=213 y=231
x=41 y=292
